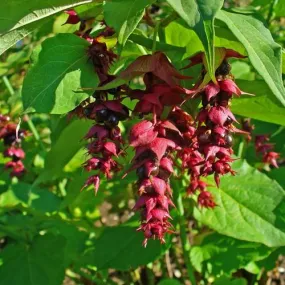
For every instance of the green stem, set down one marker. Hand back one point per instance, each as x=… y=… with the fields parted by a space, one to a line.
x=8 y=85
x=142 y=49
x=183 y=233
x=29 y=121
x=270 y=13
x=169 y=19
x=155 y=36
x=241 y=148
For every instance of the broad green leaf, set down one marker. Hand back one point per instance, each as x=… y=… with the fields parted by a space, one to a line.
x=9 y=39
x=176 y=34
x=200 y=16
x=40 y=263
x=124 y=16
x=246 y=207
x=263 y=52
x=121 y=248
x=243 y=70
x=35 y=198
x=59 y=69
x=75 y=238
x=263 y=106
x=269 y=263
x=65 y=147
x=218 y=254
x=18 y=19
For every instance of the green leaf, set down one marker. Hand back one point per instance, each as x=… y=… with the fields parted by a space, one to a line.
x=176 y=34
x=200 y=15
x=40 y=263
x=278 y=175
x=169 y=282
x=59 y=69
x=173 y=52
x=283 y=61
x=229 y=281
x=279 y=9
x=269 y=263
x=125 y=253
x=243 y=70
x=75 y=238
x=218 y=254
x=263 y=106
x=35 y=198
x=18 y=20
x=128 y=15
x=65 y=147
x=263 y=52
x=246 y=207
x=83 y=203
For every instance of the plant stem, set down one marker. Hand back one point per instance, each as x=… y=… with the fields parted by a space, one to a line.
x=155 y=36
x=8 y=85
x=29 y=121
x=183 y=233
x=270 y=13
x=241 y=148
x=169 y=19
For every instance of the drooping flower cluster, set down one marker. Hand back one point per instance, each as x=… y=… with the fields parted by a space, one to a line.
x=211 y=149
x=247 y=127
x=104 y=137
x=155 y=141
x=154 y=165
x=12 y=137
x=263 y=147
x=192 y=159
x=165 y=134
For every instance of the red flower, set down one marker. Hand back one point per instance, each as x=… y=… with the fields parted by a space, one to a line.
x=270 y=158
x=219 y=115
x=205 y=199
x=18 y=168
x=92 y=180
x=15 y=153
x=142 y=133
x=199 y=57
x=158 y=65
x=72 y=17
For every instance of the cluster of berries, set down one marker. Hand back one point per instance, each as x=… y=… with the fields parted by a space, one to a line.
x=12 y=137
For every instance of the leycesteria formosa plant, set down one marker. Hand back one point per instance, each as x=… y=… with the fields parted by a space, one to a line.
x=167 y=137
x=142 y=142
